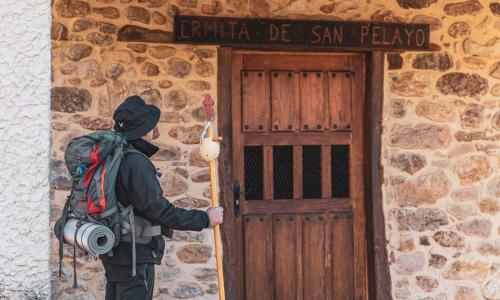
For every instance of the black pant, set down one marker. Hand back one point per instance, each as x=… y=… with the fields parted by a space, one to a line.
x=121 y=285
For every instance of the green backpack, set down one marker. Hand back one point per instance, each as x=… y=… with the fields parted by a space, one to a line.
x=93 y=162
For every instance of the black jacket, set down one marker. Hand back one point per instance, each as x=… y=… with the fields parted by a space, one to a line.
x=137 y=184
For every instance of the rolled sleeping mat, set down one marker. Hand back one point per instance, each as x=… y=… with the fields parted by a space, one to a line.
x=93 y=238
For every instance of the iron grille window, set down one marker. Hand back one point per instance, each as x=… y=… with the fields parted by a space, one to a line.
x=340 y=171
x=283 y=172
x=311 y=172
x=254 y=171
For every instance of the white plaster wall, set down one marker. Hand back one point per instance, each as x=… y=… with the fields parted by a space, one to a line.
x=24 y=149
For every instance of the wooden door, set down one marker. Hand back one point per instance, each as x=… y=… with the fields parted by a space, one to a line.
x=297 y=122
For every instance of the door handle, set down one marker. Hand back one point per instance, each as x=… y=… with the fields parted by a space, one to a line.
x=236 y=191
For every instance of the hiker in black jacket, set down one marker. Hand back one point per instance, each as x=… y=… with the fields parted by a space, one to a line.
x=138 y=185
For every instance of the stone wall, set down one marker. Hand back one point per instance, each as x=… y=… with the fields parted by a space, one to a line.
x=441 y=157
x=24 y=146
x=92 y=73
x=440 y=142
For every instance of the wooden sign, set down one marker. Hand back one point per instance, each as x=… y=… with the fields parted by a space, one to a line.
x=317 y=34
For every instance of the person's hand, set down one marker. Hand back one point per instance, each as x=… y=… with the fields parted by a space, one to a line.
x=215 y=214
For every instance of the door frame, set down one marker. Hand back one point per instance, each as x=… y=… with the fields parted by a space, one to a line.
x=379 y=280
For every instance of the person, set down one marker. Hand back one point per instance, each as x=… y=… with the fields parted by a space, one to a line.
x=137 y=185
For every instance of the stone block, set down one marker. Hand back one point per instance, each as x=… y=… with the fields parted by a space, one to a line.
x=161 y=52
x=462 y=84
x=107 y=12
x=470 y=7
x=408 y=264
x=165 y=84
x=95 y=123
x=461 y=211
x=150 y=69
x=132 y=33
x=407 y=162
x=187 y=290
x=491 y=290
x=459 y=29
x=465 y=270
x=58 y=32
x=420 y=136
x=194 y=253
x=186 y=135
x=426 y=283
x=152 y=96
x=465 y=293
x=477 y=227
x=425 y=189
x=70 y=99
x=176 y=99
x=437 y=261
x=489 y=248
x=205 y=274
x=472 y=169
x=188 y=236
x=434 y=23
x=170 y=117
x=433 y=61
x=489 y=206
x=107 y=27
x=196 y=160
x=84 y=24
x=190 y=203
x=204 y=68
x=139 y=14
x=472 y=117
x=168 y=273
x=114 y=71
x=490 y=49
x=59 y=176
x=495 y=9
x=173 y=184
x=99 y=39
x=214 y=8
x=201 y=176
x=421 y=219
x=72 y=8
x=415 y=4
x=449 y=239
x=158 y=18
x=76 y=52
x=436 y=111
x=167 y=153
x=178 y=67
x=139 y=48
x=410 y=84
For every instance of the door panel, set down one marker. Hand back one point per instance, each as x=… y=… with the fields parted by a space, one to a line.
x=342 y=256
x=312 y=101
x=286 y=236
x=254 y=101
x=258 y=257
x=302 y=204
x=283 y=100
x=340 y=96
x=314 y=257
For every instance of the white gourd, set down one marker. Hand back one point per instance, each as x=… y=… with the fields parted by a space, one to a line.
x=209 y=149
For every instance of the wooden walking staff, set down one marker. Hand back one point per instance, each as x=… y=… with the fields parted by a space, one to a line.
x=208 y=103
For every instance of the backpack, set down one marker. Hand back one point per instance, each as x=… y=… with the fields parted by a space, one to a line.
x=93 y=162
